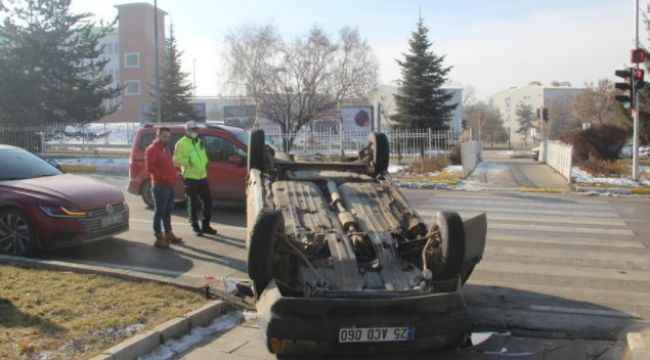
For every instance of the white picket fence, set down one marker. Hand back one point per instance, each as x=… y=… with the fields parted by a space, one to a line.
x=557 y=155
x=404 y=145
x=470 y=153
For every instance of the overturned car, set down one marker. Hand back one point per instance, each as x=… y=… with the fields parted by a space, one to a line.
x=340 y=263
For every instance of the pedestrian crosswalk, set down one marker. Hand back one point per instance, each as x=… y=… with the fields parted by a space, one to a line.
x=578 y=255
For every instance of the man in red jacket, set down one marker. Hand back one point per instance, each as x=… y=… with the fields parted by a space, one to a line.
x=158 y=162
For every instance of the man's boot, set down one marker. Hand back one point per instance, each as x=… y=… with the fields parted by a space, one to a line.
x=171 y=238
x=196 y=229
x=161 y=241
x=207 y=229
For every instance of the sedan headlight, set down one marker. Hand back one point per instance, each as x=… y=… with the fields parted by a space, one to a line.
x=62 y=211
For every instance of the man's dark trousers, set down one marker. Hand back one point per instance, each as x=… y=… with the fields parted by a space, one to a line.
x=198 y=191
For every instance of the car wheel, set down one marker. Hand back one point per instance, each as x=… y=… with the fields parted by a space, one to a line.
x=452 y=243
x=17 y=235
x=265 y=261
x=380 y=152
x=256 y=149
x=147 y=194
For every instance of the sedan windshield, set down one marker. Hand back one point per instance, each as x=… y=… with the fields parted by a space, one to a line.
x=18 y=164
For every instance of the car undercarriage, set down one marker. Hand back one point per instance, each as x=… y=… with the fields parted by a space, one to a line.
x=340 y=262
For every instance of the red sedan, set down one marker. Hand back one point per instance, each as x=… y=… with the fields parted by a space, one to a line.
x=42 y=208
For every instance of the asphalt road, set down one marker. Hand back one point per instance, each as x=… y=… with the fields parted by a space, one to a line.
x=555 y=266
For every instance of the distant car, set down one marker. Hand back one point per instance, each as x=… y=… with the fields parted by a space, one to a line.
x=226 y=148
x=42 y=208
x=626 y=152
x=644 y=152
x=535 y=152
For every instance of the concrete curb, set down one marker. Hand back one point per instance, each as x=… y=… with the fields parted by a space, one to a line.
x=543 y=190
x=148 y=341
x=601 y=190
x=192 y=284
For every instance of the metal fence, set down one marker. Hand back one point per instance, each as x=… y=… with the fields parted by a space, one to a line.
x=98 y=139
x=404 y=145
x=94 y=138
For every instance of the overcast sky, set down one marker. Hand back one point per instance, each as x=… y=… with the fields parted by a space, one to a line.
x=491 y=45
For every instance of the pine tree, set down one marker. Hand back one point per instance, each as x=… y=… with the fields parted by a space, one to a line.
x=175 y=90
x=421 y=102
x=525 y=120
x=51 y=70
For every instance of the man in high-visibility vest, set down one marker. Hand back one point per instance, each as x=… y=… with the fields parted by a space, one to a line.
x=191 y=157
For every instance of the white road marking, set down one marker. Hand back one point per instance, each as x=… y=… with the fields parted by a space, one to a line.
x=564 y=271
x=522 y=210
x=564 y=240
x=561 y=229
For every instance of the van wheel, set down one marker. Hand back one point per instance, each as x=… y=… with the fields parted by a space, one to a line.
x=256 y=150
x=147 y=194
x=452 y=244
x=266 y=260
x=380 y=152
x=17 y=236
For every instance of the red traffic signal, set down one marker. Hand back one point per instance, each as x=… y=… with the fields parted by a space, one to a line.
x=638 y=56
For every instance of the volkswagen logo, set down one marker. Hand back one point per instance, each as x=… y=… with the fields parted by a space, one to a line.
x=109 y=209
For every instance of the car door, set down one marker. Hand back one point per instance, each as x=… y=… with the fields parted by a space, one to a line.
x=226 y=168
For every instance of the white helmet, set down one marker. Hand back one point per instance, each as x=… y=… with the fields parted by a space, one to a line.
x=191 y=125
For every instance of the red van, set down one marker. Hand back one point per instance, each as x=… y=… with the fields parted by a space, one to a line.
x=226 y=148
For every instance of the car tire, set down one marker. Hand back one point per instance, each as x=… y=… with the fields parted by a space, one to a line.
x=147 y=194
x=17 y=236
x=256 y=150
x=452 y=237
x=264 y=261
x=380 y=152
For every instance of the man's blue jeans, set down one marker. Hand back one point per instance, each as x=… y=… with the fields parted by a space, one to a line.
x=163 y=197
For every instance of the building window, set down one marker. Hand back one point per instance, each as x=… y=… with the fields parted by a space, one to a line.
x=131 y=60
x=132 y=87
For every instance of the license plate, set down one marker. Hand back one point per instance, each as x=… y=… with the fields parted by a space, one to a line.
x=376 y=334
x=111 y=220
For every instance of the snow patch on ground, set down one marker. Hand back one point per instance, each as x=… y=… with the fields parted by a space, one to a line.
x=453 y=169
x=584 y=177
x=174 y=347
x=394 y=169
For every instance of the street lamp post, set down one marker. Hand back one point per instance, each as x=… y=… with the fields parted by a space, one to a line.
x=157 y=57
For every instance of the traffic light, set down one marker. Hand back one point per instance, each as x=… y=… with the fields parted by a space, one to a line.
x=626 y=86
x=638 y=56
x=639 y=80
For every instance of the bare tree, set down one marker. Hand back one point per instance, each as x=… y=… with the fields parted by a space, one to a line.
x=355 y=72
x=291 y=82
x=469 y=96
x=561 y=116
x=302 y=86
x=253 y=58
x=597 y=104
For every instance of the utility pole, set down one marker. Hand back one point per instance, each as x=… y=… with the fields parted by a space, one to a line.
x=194 y=77
x=637 y=108
x=157 y=56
